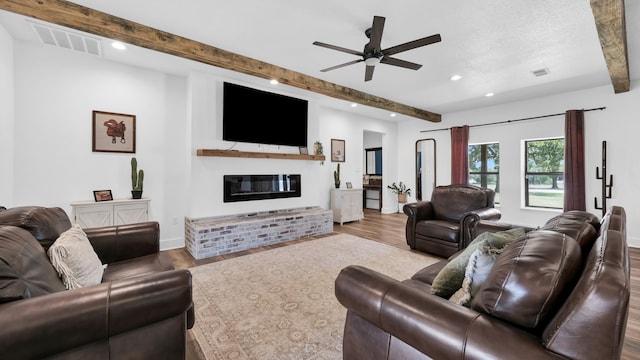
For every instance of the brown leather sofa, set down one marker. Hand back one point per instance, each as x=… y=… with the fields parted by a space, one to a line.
x=141 y=310
x=559 y=292
x=442 y=225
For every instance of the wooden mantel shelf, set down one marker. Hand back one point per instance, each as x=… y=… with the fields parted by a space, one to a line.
x=257 y=155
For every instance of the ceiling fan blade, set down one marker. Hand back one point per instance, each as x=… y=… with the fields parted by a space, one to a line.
x=402 y=63
x=412 y=45
x=342 y=65
x=368 y=73
x=375 y=37
x=333 y=47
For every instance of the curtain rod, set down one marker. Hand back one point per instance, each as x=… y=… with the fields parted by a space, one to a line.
x=516 y=120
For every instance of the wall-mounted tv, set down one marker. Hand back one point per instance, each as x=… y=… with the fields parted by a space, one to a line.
x=255 y=116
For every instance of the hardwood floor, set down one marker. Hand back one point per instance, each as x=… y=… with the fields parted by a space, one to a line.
x=389 y=229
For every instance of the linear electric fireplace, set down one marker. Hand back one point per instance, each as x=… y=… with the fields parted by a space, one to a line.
x=260 y=187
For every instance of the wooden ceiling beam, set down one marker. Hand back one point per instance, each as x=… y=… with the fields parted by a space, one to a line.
x=102 y=24
x=610 y=22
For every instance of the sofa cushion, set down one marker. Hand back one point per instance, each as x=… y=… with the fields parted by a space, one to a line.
x=139 y=266
x=540 y=265
x=25 y=270
x=451 y=203
x=450 y=278
x=580 y=225
x=75 y=260
x=45 y=224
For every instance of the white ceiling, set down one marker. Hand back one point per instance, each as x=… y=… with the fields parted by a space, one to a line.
x=494 y=45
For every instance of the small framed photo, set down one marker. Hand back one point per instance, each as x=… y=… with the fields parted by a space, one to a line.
x=102 y=195
x=303 y=150
x=337 y=150
x=349 y=186
x=113 y=132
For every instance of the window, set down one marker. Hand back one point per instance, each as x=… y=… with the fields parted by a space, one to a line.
x=484 y=163
x=544 y=173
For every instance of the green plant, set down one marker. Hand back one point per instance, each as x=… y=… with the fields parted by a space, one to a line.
x=319 y=149
x=399 y=189
x=137 y=176
x=336 y=176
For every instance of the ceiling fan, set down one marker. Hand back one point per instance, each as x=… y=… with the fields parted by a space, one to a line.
x=372 y=54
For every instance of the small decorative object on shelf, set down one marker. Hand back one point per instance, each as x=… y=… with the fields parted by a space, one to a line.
x=336 y=177
x=137 y=179
x=102 y=195
x=317 y=148
x=401 y=190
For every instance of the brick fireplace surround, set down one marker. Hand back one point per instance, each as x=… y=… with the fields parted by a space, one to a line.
x=218 y=235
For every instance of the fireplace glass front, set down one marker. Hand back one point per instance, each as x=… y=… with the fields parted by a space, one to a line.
x=260 y=187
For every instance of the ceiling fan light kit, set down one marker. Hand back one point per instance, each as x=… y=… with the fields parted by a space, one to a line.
x=372 y=55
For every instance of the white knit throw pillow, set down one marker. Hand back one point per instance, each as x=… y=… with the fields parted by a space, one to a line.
x=75 y=260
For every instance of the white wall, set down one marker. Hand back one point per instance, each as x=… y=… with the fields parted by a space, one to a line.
x=6 y=118
x=56 y=91
x=618 y=125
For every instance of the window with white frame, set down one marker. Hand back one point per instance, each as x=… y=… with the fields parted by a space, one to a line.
x=544 y=173
x=484 y=165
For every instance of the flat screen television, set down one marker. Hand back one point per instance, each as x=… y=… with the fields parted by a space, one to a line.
x=261 y=117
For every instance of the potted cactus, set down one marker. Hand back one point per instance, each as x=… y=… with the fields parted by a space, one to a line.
x=137 y=178
x=336 y=177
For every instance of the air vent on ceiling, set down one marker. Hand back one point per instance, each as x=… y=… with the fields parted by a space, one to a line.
x=68 y=40
x=540 y=72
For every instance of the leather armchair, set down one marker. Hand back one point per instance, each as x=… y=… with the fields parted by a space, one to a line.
x=442 y=226
x=142 y=309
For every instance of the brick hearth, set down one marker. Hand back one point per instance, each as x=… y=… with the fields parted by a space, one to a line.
x=218 y=235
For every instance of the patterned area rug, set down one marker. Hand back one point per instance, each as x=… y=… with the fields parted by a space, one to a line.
x=280 y=303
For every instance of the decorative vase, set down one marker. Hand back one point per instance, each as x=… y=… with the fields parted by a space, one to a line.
x=402 y=198
x=136 y=194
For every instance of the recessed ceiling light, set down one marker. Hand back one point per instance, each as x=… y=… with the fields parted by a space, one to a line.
x=489 y=94
x=392 y=114
x=118 y=45
x=456 y=77
x=274 y=82
x=354 y=105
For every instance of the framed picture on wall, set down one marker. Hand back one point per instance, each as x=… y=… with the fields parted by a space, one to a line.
x=337 y=150
x=113 y=132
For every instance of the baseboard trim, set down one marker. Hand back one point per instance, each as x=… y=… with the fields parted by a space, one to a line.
x=169 y=244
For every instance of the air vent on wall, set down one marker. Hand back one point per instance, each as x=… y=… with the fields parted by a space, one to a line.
x=540 y=72
x=68 y=40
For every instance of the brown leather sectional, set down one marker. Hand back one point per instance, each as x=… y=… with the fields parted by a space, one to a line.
x=558 y=292
x=141 y=310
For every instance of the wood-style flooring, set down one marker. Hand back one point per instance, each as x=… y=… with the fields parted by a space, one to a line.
x=389 y=229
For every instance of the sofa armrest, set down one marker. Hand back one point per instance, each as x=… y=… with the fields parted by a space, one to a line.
x=67 y=320
x=118 y=243
x=469 y=221
x=435 y=326
x=415 y=212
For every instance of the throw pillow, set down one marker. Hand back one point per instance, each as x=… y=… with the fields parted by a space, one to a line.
x=450 y=278
x=477 y=271
x=75 y=260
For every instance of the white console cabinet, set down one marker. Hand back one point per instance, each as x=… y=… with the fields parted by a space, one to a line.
x=89 y=214
x=346 y=205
